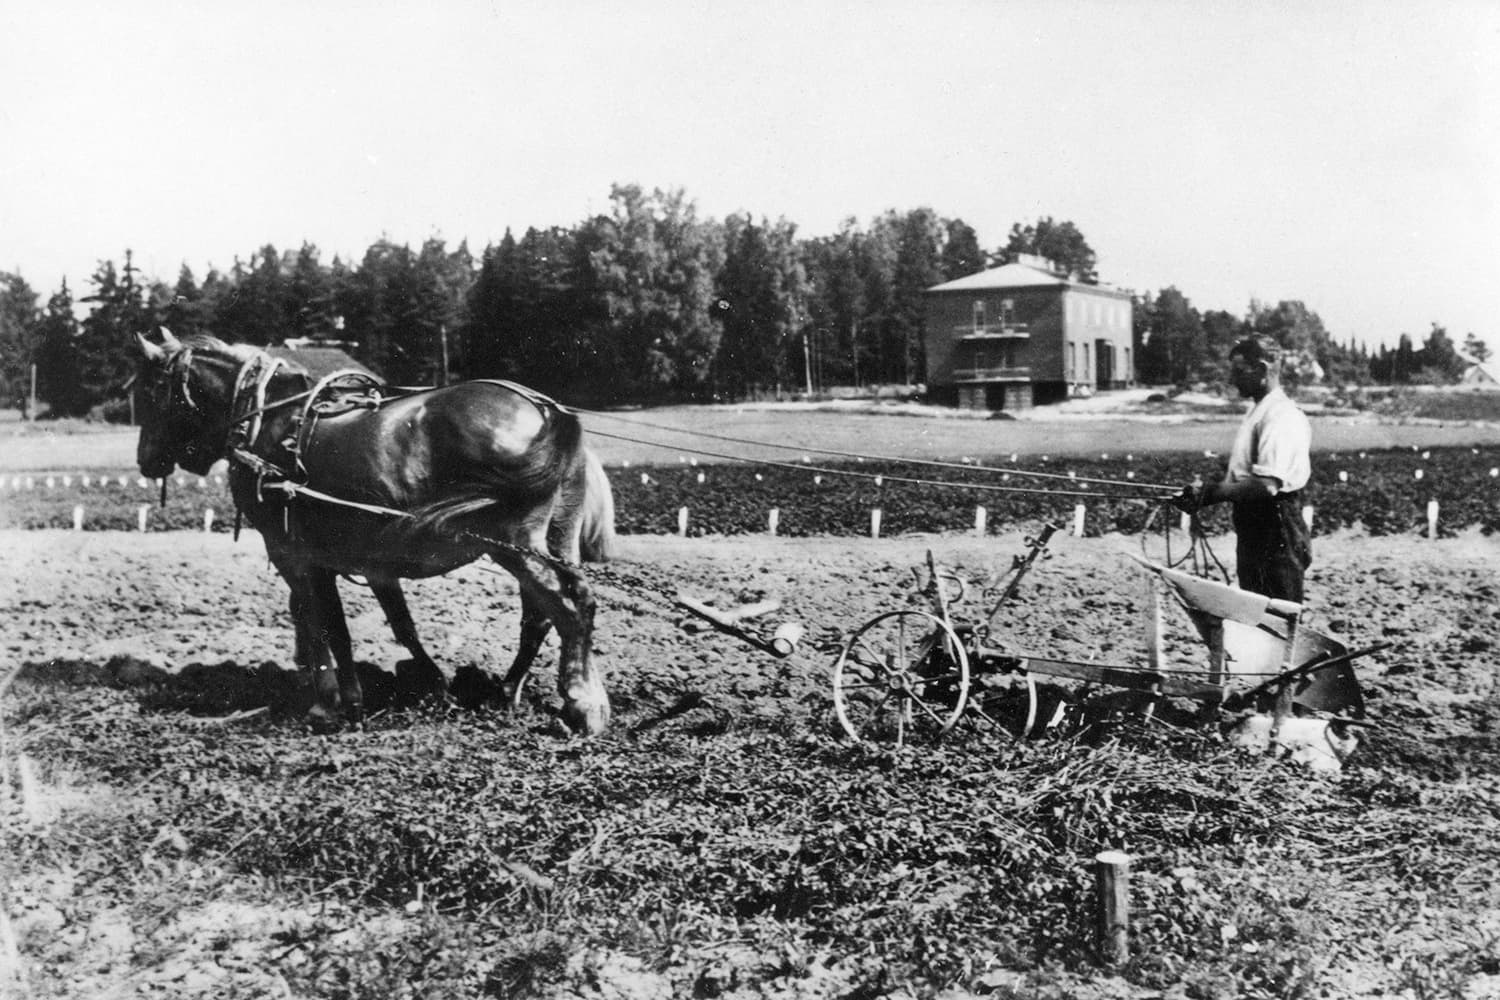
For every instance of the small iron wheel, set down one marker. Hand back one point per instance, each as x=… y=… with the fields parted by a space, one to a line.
x=901 y=674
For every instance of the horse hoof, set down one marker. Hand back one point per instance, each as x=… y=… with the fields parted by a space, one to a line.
x=585 y=720
x=324 y=721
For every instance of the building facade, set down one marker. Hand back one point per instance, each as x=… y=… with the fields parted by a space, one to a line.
x=1024 y=334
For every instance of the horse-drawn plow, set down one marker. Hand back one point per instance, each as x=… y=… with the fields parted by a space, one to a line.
x=915 y=673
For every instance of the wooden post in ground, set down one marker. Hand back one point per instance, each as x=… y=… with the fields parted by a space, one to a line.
x=1112 y=903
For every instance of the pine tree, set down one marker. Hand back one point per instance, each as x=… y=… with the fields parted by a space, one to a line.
x=57 y=358
x=18 y=334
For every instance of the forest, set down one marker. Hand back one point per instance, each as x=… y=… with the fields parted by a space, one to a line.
x=646 y=302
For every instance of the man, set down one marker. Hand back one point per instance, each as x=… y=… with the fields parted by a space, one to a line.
x=1268 y=467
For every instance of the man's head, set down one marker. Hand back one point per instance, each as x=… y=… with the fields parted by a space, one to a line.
x=1255 y=365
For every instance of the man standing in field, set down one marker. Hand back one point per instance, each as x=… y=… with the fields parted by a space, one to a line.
x=1268 y=467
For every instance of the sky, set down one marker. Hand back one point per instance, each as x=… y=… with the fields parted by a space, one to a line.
x=1346 y=154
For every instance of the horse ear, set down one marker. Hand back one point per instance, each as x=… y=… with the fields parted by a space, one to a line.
x=152 y=352
x=168 y=341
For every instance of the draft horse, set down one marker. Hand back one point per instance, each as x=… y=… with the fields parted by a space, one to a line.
x=405 y=484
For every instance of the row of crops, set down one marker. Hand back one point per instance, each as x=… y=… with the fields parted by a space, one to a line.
x=1383 y=492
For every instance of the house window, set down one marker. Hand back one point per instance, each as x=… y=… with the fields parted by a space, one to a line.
x=1072 y=362
x=979 y=314
x=1007 y=311
x=1084 y=375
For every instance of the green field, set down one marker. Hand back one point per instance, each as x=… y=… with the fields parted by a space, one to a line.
x=667 y=434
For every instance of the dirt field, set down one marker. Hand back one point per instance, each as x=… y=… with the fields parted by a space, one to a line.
x=115 y=608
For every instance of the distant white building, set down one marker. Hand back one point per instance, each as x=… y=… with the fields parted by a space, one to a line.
x=1481 y=375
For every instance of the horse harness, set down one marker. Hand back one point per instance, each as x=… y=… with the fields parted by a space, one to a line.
x=338 y=393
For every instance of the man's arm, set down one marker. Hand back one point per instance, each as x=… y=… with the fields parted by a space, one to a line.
x=1249 y=488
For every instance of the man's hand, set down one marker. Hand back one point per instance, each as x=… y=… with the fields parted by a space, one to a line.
x=1195 y=497
x=1189 y=500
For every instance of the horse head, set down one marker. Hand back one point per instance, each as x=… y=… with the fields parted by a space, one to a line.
x=182 y=405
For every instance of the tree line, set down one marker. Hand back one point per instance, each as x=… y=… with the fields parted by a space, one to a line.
x=644 y=302
x=1178 y=345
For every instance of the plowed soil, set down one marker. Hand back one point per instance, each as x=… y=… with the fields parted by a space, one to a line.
x=130 y=610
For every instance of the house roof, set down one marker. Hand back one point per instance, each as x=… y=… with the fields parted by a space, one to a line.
x=1015 y=275
x=1480 y=371
x=319 y=361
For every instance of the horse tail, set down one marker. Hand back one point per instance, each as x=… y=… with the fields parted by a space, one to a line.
x=596 y=540
x=553 y=458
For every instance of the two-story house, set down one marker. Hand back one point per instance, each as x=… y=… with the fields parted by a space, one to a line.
x=1025 y=334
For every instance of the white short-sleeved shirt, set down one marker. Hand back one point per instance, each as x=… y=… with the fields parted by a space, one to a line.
x=1274 y=441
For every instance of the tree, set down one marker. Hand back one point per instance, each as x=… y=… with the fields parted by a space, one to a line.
x=310 y=309
x=961 y=255
x=1175 y=342
x=1476 y=348
x=1060 y=242
x=57 y=357
x=835 y=266
x=490 y=346
x=654 y=263
x=106 y=343
x=188 y=312
x=918 y=266
x=761 y=307
x=18 y=333
x=1438 y=362
x=1308 y=349
x=1221 y=331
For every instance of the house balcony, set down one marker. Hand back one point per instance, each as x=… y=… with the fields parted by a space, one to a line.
x=969 y=333
x=1012 y=373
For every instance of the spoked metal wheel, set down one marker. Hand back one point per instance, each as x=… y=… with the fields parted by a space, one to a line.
x=901 y=675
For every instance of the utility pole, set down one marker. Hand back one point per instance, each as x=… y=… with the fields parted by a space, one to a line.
x=807 y=363
x=443 y=333
x=31 y=412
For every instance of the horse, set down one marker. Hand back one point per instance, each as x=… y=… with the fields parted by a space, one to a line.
x=391 y=484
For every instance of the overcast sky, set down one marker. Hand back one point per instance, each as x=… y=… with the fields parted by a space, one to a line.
x=1344 y=154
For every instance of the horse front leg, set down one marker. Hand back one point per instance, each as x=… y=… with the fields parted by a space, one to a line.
x=333 y=635
x=429 y=678
x=313 y=653
x=534 y=628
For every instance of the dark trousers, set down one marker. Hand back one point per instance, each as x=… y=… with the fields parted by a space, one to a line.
x=1273 y=546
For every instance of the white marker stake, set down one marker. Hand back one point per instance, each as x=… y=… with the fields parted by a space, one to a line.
x=141 y=514
x=208 y=519
x=1078 y=513
x=1307 y=515
x=773 y=520
x=1419 y=474
x=700 y=478
x=645 y=479
x=875 y=522
x=67 y=481
x=980 y=516
x=78 y=518
x=682 y=518
x=1186 y=522
x=51 y=482
x=1343 y=476
x=1432 y=514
